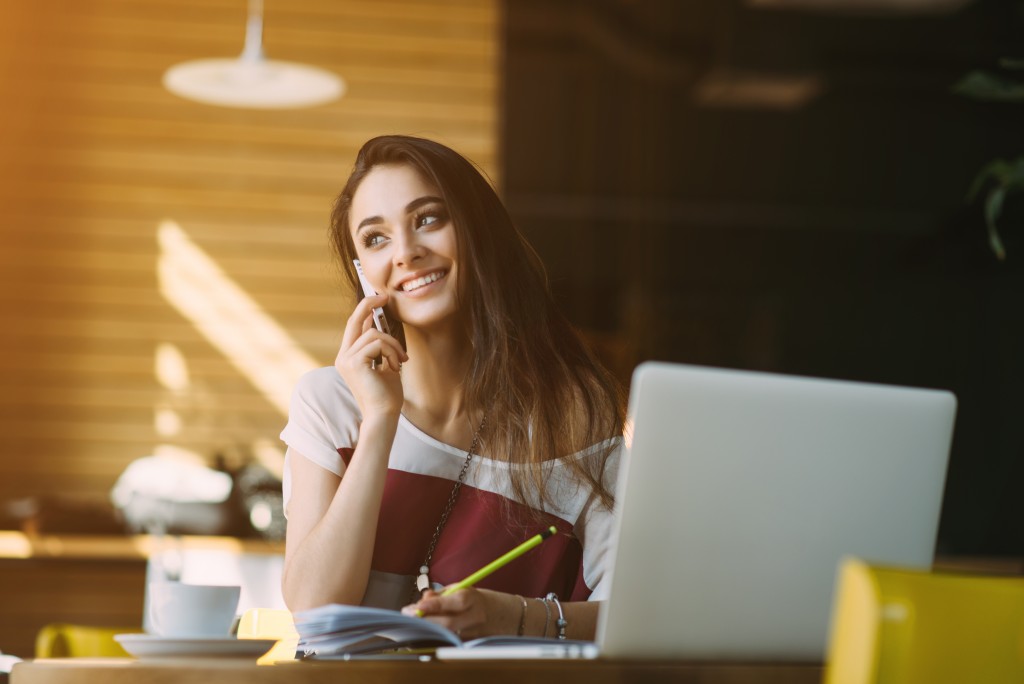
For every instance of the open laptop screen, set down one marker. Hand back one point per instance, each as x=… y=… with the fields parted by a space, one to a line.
x=740 y=493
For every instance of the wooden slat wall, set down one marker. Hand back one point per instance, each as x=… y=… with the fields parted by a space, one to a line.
x=84 y=592
x=86 y=580
x=94 y=155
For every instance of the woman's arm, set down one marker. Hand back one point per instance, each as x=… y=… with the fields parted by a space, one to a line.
x=476 y=612
x=332 y=521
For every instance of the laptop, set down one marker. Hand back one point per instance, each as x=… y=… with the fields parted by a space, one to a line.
x=740 y=493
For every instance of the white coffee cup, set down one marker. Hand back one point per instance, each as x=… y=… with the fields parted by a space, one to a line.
x=188 y=611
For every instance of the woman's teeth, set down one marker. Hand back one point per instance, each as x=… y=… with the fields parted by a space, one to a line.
x=411 y=285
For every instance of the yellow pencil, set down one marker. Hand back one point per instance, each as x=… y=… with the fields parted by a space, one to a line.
x=498 y=563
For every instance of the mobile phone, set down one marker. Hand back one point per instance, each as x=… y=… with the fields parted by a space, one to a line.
x=379 y=319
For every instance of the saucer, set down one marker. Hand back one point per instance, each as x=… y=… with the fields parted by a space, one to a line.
x=152 y=646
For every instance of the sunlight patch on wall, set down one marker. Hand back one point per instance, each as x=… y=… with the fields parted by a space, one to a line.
x=253 y=342
x=171 y=368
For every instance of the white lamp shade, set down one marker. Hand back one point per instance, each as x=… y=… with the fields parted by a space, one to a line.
x=253 y=83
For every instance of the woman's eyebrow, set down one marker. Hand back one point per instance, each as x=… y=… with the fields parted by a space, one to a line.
x=409 y=208
x=419 y=202
x=369 y=221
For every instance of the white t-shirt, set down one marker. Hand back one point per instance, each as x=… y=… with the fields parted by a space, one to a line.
x=485 y=522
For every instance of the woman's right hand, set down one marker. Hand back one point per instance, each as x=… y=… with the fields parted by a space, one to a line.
x=377 y=387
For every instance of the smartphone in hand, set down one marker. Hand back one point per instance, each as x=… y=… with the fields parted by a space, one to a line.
x=379 y=319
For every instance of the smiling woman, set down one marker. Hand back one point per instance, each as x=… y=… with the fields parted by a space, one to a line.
x=407 y=244
x=487 y=420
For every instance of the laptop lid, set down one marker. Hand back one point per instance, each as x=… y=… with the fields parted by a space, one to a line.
x=741 y=491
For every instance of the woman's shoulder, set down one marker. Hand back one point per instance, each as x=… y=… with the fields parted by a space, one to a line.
x=323 y=379
x=323 y=389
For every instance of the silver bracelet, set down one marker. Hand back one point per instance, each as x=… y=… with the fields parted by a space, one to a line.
x=561 y=623
x=547 y=616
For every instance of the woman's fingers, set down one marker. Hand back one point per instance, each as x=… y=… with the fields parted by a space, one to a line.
x=373 y=345
x=360 y=317
x=362 y=343
x=369 y=361
x=440 y=612
x=462 y=611
x=374 y=351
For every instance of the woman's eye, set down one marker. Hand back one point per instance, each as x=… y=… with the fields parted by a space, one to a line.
x=373 y=240
x=431 y=217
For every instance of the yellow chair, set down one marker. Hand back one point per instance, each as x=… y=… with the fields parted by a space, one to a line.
x=267 y=623
x=61 y=640
x=913 y=627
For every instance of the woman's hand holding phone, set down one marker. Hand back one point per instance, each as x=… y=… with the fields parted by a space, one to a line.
x=377 y=385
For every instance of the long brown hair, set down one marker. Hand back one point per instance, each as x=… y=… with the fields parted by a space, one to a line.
x=544 y=392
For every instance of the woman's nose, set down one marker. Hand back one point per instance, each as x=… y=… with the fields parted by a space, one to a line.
x=408 y=250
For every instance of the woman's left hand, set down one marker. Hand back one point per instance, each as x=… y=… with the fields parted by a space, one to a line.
x=471 y=612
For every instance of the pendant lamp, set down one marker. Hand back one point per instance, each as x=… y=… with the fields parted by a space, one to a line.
x=251 y=80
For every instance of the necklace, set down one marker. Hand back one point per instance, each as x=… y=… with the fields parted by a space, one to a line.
x=423 y=579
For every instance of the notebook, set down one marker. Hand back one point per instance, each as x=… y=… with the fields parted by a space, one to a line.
x=741 y=492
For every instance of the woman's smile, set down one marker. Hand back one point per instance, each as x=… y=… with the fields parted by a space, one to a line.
x=415 y=284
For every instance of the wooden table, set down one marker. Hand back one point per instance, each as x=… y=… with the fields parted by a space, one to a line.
x=228 y=671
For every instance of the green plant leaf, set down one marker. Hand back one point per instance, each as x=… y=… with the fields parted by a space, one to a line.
x=1015 y=178
x=984 y=85
x=993 y=209
x=1012 y=63
x=999 y=169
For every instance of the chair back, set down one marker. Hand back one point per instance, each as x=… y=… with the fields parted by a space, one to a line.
x=62 y=640
x=893 y=625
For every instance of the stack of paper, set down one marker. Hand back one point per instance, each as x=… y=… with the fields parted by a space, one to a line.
x=338 y=630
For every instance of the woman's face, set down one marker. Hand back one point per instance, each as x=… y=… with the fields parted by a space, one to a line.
x=406 y=243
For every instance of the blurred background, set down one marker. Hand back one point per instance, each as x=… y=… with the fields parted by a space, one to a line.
x=777 y=185
x=164 y=269
x=782 y=185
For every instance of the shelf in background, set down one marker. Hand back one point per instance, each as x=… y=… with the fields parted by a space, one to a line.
x=14 y=545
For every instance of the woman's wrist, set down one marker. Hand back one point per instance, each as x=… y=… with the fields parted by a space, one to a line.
x=385 y=423
x=542 y=617
x=524 y=605
x=551 y=599
x=537 y=614
x=376 y=437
